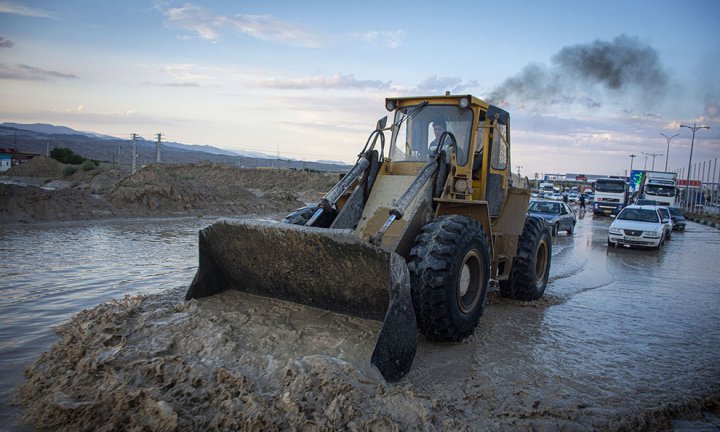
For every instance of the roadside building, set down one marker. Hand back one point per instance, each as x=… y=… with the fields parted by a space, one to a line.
x=5 y=161
x=9 y=157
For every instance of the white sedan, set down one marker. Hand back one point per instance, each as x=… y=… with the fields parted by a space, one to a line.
x=637 y=226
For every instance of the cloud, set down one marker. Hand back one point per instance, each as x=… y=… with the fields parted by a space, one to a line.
x=9 y=7
x=177 y=84
x=391 y=39
x=712 y=110
x=6 y=43
x=189 y=75
x=606 y=70
x=208 y=26
x=439 y=85
x=30 y=73
x=337 y=81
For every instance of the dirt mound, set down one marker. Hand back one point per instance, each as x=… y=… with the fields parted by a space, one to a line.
x=215 y=189
x=160 y=190
x=29 y=204
x=100 y=180
x=40 y=166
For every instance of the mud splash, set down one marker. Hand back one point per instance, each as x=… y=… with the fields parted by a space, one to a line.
x=162 y=364
x=238 y=362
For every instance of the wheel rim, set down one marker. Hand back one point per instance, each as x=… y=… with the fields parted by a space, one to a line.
x=469 y=287
x=541 y=262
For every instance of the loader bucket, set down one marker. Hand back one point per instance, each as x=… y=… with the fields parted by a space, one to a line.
x=323 y=268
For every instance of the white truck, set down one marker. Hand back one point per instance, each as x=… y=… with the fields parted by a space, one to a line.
x=610 y=195
x=547 y=189
x=659 y=186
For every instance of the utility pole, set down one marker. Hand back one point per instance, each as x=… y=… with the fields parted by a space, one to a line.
x=134 y=154
x=518 y=167
x=632 y=158
x=667 y=153
x=157 y=148
x=694 y=128
x=646 y=156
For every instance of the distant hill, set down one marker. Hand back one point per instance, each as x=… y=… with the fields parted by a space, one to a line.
x=52 y=129
x=41 y=138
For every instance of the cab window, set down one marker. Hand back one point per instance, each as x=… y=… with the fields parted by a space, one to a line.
x=415 y=135
x=499 y=157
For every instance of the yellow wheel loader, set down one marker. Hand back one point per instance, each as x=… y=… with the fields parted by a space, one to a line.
x=410 y=236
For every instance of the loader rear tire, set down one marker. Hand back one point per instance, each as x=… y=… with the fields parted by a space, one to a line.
x=531 y=266
x=449 y=273
x=300 y=216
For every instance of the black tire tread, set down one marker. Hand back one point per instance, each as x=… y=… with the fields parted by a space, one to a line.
x=521 y=283
x=431 y=261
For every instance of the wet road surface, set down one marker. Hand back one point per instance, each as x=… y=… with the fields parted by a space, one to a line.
x=622 y=338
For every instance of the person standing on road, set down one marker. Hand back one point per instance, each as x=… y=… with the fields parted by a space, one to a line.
x=565 y=198
x=581 y=200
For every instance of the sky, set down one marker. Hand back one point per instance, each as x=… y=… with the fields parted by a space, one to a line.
x=587 y=83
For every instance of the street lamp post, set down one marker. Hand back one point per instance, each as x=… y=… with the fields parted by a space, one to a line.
x=667 y=153
x=653 y=156
x=632 y=157
x=694 y=129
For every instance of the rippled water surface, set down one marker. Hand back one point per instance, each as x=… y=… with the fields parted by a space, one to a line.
x=52 y=271
x=620 y=331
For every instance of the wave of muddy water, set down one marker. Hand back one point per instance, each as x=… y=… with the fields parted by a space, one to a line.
x=624 y=340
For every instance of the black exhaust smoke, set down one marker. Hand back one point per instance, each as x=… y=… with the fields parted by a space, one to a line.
x=622 y=65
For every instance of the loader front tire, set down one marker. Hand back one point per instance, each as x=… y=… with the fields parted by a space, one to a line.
x=449 y=273
x=531 y=266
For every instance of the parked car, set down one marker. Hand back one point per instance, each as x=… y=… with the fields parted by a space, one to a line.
x=678 y=218
x=557 y=214
x=637 y=226
x=573 y=196
x=666 y=221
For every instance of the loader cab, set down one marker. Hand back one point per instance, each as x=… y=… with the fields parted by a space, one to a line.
x=414 y=133
x=477 y=142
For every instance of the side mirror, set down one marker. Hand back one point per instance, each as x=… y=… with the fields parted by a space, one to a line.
x=665 y=220
x=381 y=123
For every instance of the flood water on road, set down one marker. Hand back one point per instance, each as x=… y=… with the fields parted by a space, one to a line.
x=52 y=271
x=621 y=336
x=625 y=331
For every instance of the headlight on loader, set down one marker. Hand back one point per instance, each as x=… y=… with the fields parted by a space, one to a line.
x=461 y=185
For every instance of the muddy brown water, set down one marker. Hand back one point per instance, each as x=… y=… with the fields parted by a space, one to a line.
x=623 y=340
